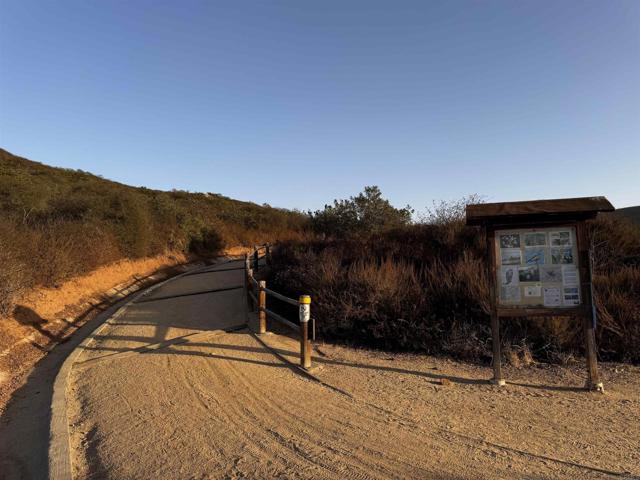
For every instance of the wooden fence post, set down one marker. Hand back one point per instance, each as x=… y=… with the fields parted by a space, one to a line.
x=305 y=344
x=256 y=258
x=252 y=303
x=262 y=314
x=247 y=280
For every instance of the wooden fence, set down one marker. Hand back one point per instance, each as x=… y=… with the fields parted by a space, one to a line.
x=257 y=293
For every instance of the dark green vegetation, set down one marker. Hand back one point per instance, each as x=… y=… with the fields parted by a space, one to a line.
x=366 y=214
x=56 y=223
x=423 y=287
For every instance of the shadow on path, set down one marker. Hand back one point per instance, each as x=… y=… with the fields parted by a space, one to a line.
x=25 y=422
x=24 y=425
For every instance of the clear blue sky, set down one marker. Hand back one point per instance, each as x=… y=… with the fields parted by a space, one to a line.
x=297 y=103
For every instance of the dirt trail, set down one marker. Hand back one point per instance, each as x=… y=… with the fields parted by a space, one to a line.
x=164 y=392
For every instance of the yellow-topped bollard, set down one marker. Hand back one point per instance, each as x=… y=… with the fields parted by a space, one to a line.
x=305 y=344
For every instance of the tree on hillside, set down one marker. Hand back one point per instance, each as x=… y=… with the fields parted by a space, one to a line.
x=446 y=212
x=365 y=214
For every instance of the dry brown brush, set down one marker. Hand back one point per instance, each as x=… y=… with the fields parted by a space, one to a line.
x=424 y=288
x=57 y=223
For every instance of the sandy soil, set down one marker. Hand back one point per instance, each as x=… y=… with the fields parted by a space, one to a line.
x=46 y=317
x=164 y=392
x=542 y=425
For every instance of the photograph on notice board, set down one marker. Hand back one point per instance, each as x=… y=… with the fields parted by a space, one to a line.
x=511 y=256
x=508 y=276
x=529 y=274
x=510 y=240
x=562 y=255
x=535 y=239
x=534 y=256
x=560 y=239
x=550 y=274
x=571 y=296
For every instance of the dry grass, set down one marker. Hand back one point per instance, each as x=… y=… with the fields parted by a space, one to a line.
x=424 y=288
x=56 y=224
x=10 y=285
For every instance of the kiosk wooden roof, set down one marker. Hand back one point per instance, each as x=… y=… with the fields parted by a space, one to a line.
x=582 y=208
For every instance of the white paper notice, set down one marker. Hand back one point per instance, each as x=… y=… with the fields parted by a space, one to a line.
x=569 y=276
x=533 y=291
x=508 y=276
x=552 y=297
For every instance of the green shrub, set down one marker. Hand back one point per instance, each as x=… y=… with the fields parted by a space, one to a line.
x=367 y=213
x=208 y=244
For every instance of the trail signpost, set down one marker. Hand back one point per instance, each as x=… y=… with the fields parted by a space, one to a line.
x=539 y=264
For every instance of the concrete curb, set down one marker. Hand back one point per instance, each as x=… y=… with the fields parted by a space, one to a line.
x=60 y=467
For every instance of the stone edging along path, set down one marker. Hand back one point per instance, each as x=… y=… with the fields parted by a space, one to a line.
x=59 y=449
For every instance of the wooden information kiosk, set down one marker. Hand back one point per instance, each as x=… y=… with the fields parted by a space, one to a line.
x=540 y=265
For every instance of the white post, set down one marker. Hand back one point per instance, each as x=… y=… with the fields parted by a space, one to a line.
x=305 y=344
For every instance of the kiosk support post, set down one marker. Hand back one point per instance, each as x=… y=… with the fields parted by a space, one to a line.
x=495 y=320
x=589 y=318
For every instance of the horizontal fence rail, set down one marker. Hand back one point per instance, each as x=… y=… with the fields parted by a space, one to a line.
x=253 y=297
x=252 y=285
x=280 y=318
x=288 y=300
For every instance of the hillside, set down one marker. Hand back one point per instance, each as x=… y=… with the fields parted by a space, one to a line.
x=56 y=223
x=632 y=213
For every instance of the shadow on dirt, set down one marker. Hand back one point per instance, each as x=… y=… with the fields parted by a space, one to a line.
x=24 y=424
x=112 y=353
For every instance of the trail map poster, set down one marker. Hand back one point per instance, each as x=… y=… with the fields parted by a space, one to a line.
x=537 y=267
